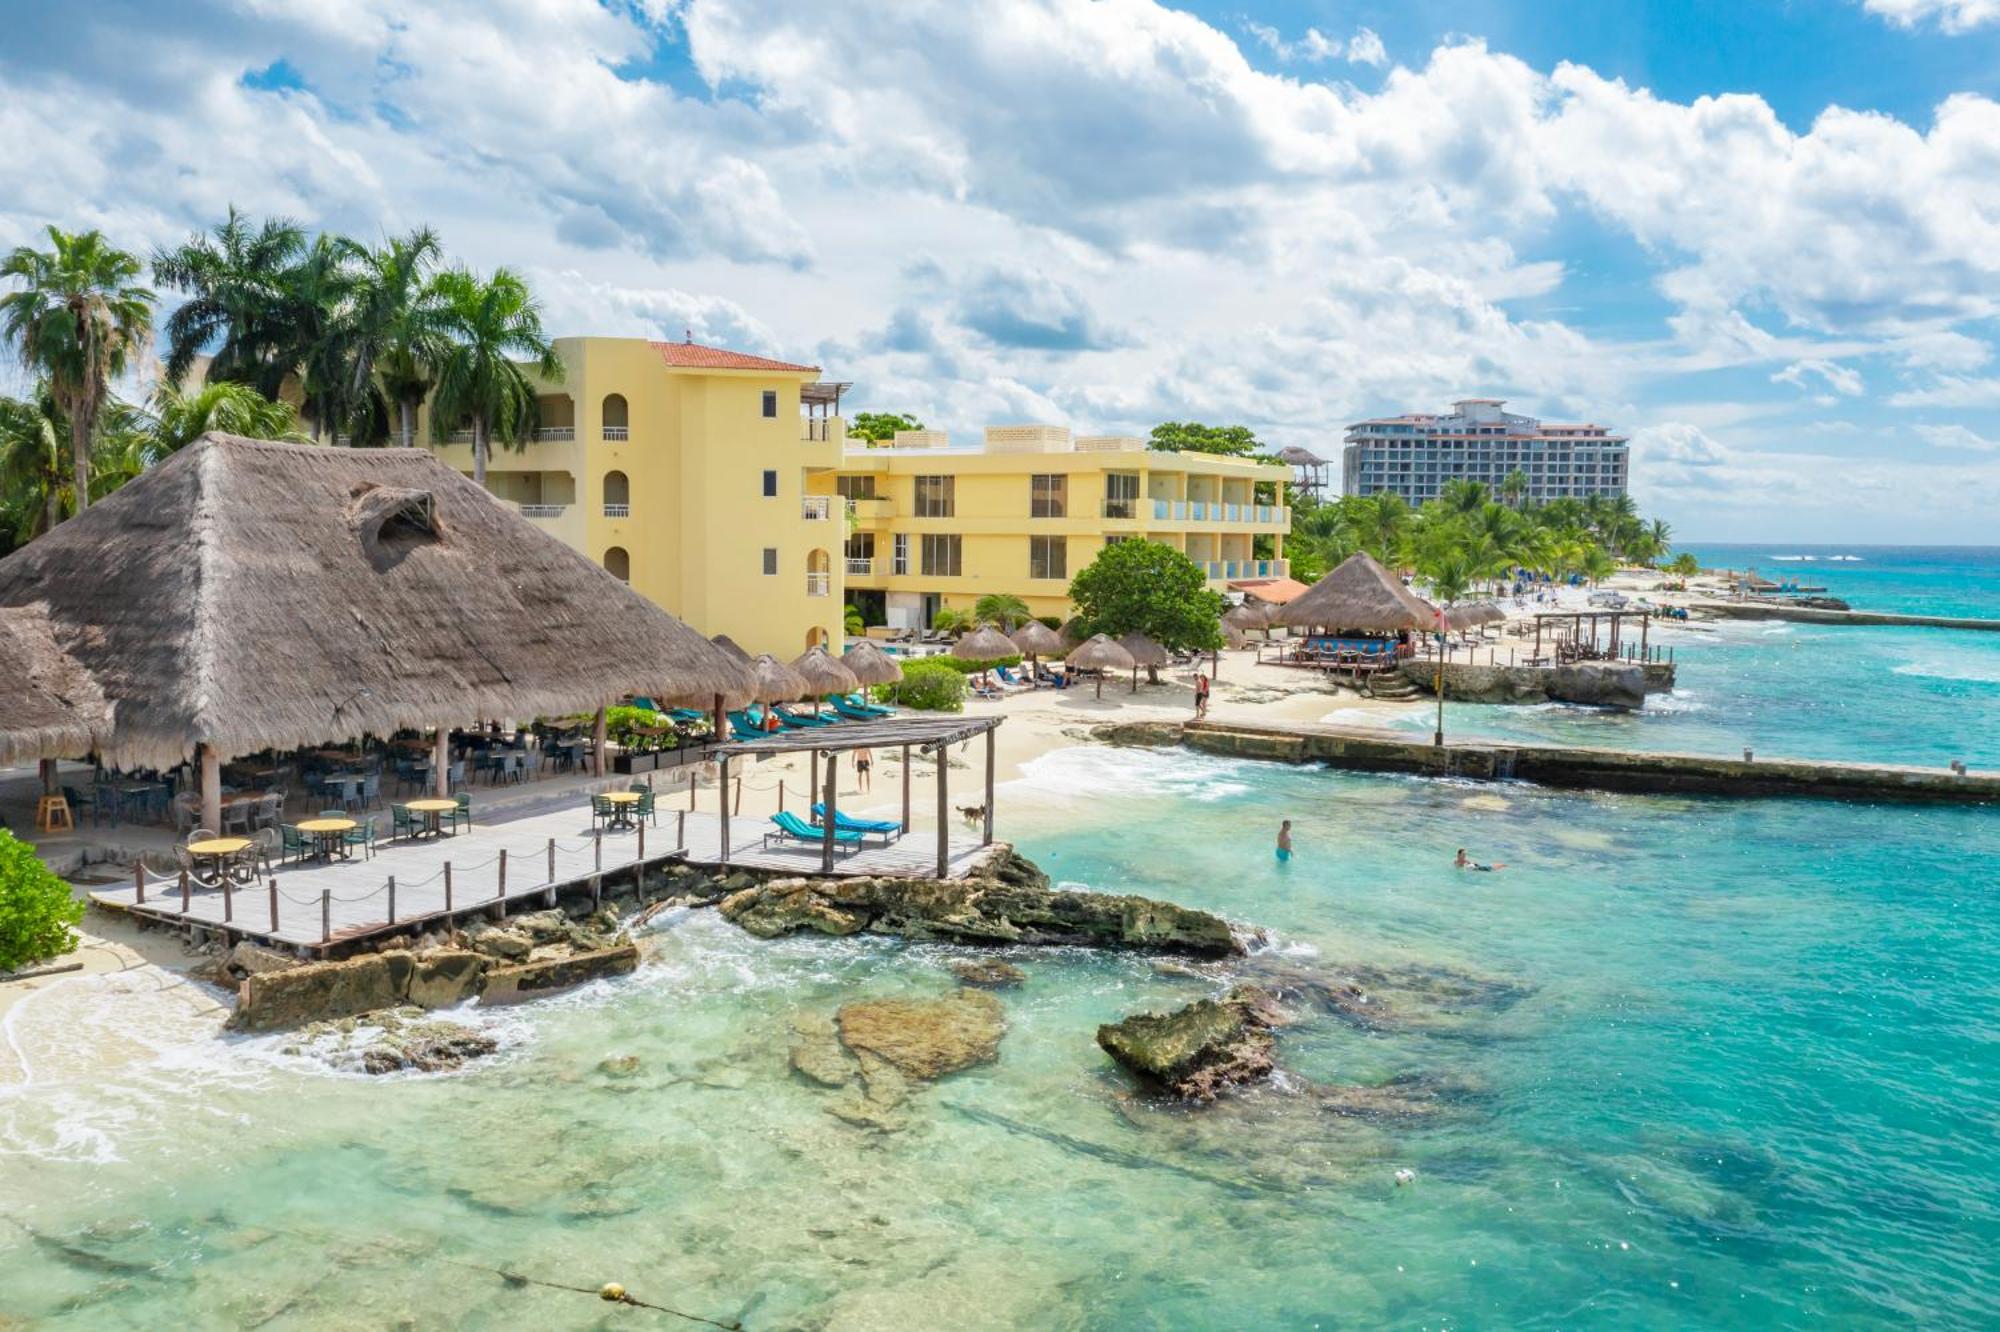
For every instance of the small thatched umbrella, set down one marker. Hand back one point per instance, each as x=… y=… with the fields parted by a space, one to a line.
x=1035 y=639
x=1074 y=632
x=824 y=674
x=1145 y=652
x=728 y=644
x=1246 y=616
x=777 y=682
x=1101 y=653
x=1462 y=617
x=870 y=664
x=985 y=644
x=1232 y=637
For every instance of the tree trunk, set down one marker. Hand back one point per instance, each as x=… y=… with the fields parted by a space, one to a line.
x=52 y=511
x=406 y=412
x=479 y=451
x=79 y=455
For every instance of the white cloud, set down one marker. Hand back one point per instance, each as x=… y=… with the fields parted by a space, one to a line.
x=1315 y=47
x=1954 y=16
x=1843 y=380
x=1365 y=48
x=1951 y=391
x=1956 y=437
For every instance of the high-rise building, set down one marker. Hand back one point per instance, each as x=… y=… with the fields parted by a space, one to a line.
x=1414 y=456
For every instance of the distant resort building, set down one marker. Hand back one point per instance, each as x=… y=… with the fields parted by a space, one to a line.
x=1414 y=456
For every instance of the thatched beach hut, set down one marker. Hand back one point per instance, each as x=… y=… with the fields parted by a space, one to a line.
x=51 y=707
x=777 y=682
x=1144 y=652
x=1358 y=596
x=985 y=644
x=1101 y=653
x=870 y=664
x=246 y=595
x=1035 y=640
x=824 y=674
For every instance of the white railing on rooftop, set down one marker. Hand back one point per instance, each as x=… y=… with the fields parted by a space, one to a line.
x=816 y=508
x=819 y=584
x=544 y=510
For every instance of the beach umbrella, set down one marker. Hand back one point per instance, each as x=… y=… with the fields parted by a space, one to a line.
x=1101 y=653
x=824 y=674
x=1461 y=617
x=777 y=682
x=1074 y=632
x=870 y=664
x=985 y=644
x=1144 y=652
x=1246 y=616
x=728 y=644
x=1035 y=639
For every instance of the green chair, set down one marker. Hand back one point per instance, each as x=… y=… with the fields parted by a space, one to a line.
x=362 y=834
x=645 y=808
x=602 y=811
x=463 y=814
x=403 y=822
x=293 y=843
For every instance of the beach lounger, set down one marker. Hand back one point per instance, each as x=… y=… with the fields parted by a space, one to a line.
x=791 y=828
x=1007 y=677
x=801 y=720
x=888 y=830
x=743 y=728
x=846 y=707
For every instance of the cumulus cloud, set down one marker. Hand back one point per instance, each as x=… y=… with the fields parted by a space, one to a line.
x=1022 y=308
x=1954 y=16
x=1956 y=437
x=1843 y=380
x=1363 y=48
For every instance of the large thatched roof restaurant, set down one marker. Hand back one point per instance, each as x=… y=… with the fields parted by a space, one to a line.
x=1358 y=607
x=246 y=595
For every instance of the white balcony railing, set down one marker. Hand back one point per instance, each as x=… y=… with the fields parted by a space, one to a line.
x=544 y=510
x=819 y=585
x=615 y=433
x=617 y=511
x=816 y=508
x=555 y=434
x=815 y=429
x=858 y=568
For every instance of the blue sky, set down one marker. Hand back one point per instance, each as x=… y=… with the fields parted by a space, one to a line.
x=1763 y=238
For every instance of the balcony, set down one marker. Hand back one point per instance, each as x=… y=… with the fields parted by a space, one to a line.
x=555 y=434
x=617 y=511
x=873 y=508
x=820 y=429
x=617 y=434
x=819 y=584
x=860 y=568
x=544 y=510
x=1218 y=570
x=459 y=437
x=1121 y=508
x=817 y=508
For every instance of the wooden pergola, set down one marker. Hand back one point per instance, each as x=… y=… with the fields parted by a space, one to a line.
x=927 y=735
x=1576 y=620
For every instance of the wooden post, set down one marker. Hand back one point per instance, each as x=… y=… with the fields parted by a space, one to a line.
x=720 y=723
x=680 y=830
x=781 y=794
x=596 y=850
x=139 y=882
x=739 y=793
x=552 y=860
x=501 y=891
x=690 y=790
x=447 y=887
x=943 y=812
x=722 y=786
x=228 y=899
x=325 y=914
x=441 y=763
x=906 y=789
x=988 y=835
x=274 y=906
x=597 y=735
x=827 y=813
x=597 y=890
x=186 y=893
x=392 y=899
x=642 y=841
x=211 y=789
x=812 y=781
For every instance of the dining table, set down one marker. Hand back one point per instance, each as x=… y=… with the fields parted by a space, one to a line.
x=217 y=852
x=433 y=811
x=327 y=835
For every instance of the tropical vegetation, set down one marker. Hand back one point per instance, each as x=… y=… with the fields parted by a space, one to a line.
x=1148 y=588
x=931 y=684
x=1193 y=437
x=37 y=913
x=879 y=427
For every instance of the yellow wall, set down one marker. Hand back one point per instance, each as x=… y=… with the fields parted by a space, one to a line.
x=699 y=522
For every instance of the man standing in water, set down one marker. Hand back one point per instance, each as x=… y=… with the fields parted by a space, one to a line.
x=1284 y=841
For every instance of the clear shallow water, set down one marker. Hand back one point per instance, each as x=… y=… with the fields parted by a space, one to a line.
x=1748 y=1082
x=1865 y=693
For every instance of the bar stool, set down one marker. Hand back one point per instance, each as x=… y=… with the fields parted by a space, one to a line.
x=52 y=814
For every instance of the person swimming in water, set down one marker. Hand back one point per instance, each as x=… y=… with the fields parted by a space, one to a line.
x=1284 y=841
x=1465 y=862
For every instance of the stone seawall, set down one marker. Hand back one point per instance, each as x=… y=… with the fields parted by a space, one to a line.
x=1764 y=610
x=1570 y=766
x=1602 y=684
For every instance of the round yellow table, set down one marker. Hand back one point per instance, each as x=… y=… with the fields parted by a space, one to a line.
x=622 y=804
x=218 y=849
x=327 y=833
x=433 y=812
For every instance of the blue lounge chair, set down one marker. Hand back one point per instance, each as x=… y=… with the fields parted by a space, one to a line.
x=886 y=829
x=1008 y=677
x=800 y=720
x=743 y=728
x=845 y=705
x=791 y=828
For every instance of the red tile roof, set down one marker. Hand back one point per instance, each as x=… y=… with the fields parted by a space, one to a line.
x=1276 y=591
x=694 y=356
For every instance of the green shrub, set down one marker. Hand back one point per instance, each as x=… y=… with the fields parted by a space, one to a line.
x=932 y=684
x=36 y=909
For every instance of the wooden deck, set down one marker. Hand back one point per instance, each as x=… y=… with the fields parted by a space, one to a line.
x=318 y=904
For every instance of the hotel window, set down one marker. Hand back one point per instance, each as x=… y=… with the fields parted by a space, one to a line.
x=770 y=561
x=941 y=554
x=771 y=403
x=1048 y=496
x=1048 y=557
x=934 y=497
x=1121 y=494
x=770 y=483
x=899 y=560
x=855 y=487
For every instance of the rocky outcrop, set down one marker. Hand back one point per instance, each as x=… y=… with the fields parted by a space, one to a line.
x=1007 y=902
x=876 y=1051
x=1603 y=684
x=1200 y=1050
x=399 y=1040
x=987 y=973
x=507 y=985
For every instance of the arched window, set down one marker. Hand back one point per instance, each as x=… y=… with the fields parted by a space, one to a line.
x=816 y=637
x=618 y=564
x=617 y=424
x=617 y=495
x=819 y=574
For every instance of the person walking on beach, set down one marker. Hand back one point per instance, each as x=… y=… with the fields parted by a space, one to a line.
x=1284 y=841
x=1200 y=696
x=864 y=759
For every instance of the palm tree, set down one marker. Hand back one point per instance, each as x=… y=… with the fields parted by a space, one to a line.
x=1462 y=495
x=78 y=320
x=319 y=292
x=396 y=324
x=180 y=417
x=476 y=382
x=238 y=281
x=1380 y=522
x=34 y=475
x=1513 y=486
x=1003 y=610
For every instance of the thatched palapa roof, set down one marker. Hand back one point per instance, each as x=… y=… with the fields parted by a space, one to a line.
x=251 y=595
x=823 y=673
x=1101 y=653
x=870 y=664
x=1358 y=595
x=1144 y=651
x=49 y=707
x=1035 y=639
x=777 y=682
x=985 y=644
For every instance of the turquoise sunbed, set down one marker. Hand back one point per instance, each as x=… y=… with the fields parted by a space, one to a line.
x=886 y=829
x=790 y=827
x=796 y=720
x=853 y=711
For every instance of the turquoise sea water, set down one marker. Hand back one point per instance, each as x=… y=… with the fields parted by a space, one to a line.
x=1713 y=1065
x=1920 y=695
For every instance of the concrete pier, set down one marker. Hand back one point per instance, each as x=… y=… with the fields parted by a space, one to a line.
x=1570 y=766
x=1765 y=610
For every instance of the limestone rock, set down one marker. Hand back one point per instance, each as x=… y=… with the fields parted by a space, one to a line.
x=817 y=1054
x=432 y=1047
x=506 y=945
x=618 y=1066
x=508 y=984
x=924 y=1038
x=276 y=1000
x=1198 y=1050
x=253 y=959
x=989 y=973
x=445 y=978
x=542 y=926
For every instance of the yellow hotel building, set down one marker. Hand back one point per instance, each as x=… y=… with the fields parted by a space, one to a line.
x=723 y=487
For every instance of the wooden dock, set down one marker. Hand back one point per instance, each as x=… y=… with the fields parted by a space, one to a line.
x=519 y=864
